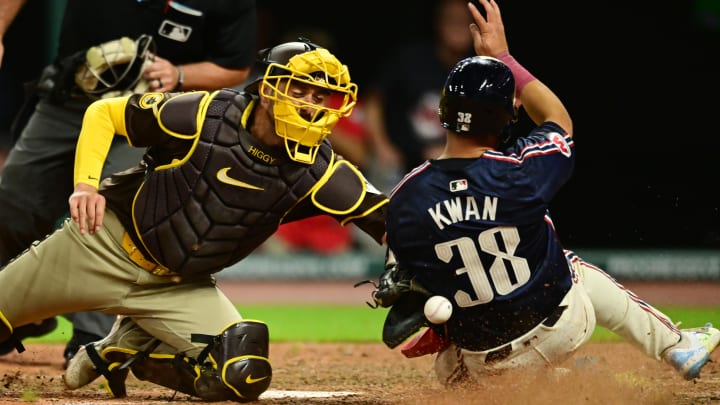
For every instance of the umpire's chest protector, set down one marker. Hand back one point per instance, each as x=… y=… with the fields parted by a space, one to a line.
x=208 y=210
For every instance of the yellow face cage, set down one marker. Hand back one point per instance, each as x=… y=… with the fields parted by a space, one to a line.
x=303 y=134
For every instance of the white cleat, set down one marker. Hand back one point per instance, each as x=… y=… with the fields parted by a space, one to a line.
x=693 y=350
x=80 y=370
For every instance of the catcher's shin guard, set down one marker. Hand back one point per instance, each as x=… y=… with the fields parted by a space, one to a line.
x=234 y=366
x=240 y=354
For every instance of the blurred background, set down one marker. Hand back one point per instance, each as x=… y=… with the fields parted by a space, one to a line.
x=640 y=80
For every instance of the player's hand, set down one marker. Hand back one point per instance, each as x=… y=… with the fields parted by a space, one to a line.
x=162 y=75
x=87 y=208
x=488 y=33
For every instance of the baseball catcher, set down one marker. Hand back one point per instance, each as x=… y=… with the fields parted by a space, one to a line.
x=488 y=245
x=105 y=49
x=221 y=172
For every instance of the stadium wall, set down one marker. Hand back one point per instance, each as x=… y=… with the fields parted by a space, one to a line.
x=680 y=265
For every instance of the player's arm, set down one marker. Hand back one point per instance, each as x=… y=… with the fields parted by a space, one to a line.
x=136 y=117
x=103 y=119
x=540 y=103
x=370 y=209
x=8 y=11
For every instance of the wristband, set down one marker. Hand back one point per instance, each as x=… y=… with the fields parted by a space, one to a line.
x=181 y=77
x=522 y=76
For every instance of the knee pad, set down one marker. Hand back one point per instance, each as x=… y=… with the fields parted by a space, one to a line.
x=233 y=366
x=239 y=357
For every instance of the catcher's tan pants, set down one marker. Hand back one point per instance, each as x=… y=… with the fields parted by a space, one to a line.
x=69 y=272
x=595 y=298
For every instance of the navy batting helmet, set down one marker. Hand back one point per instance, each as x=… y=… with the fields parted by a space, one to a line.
x=478 y=97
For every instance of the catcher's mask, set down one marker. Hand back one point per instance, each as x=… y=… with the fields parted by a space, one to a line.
x=115 y=68
x=303 y=63
x=478 y=97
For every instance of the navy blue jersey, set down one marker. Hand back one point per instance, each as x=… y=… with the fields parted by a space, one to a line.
x=478 y=232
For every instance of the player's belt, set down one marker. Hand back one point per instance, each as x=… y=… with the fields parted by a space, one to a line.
x=138 y=258
x=505 y=350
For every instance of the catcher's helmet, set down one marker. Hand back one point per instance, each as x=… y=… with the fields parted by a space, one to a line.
x=477 y=93
x=115 y=68
x=308 y=63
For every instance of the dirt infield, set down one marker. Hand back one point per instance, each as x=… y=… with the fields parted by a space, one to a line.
x=370 y=373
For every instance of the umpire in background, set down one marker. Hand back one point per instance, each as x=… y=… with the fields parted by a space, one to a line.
x=194 y=44
x=222 y=170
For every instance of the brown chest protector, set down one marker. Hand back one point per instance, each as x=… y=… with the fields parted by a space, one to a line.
x=225 y=197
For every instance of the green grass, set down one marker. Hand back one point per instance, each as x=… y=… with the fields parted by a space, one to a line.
x=689 y=318
x=359 y=323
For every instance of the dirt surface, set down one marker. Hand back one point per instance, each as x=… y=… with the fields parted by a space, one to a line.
x=370 y=373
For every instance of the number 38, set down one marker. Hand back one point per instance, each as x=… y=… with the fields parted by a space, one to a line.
x=507 y=272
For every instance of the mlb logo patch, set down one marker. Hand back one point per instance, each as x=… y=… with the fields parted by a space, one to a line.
x=174 y=31
x=458 y=185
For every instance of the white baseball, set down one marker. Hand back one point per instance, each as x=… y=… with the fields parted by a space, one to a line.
x=438 y=309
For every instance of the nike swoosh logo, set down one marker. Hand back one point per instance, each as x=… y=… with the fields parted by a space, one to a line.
x=224 y=178
x=250 y=380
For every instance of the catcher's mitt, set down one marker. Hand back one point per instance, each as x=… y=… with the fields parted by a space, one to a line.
x=397 y=288
x=394 y=283
x=404 y=318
